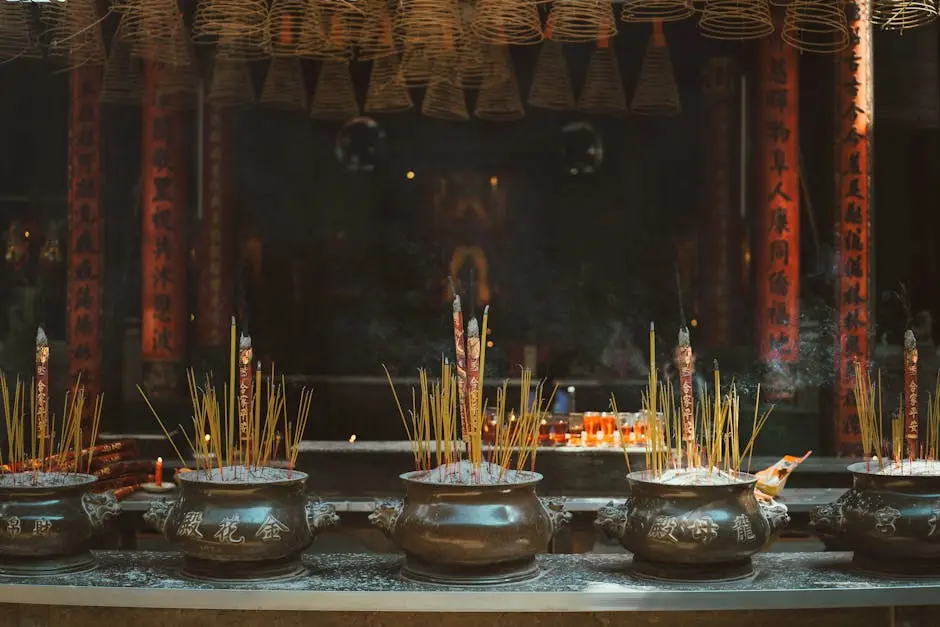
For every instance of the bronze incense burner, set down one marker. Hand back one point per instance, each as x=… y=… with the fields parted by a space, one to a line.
x=692 y=532
x=891 y=522
x=47 y=521
x=250 y=526
x=465 y=534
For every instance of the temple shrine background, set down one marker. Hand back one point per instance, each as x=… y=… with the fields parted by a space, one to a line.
x=769 y=226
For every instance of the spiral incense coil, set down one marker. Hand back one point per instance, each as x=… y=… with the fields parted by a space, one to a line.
x=331 y=32
x=602 y=93
x=814 y=26
x=155 y=31
x=387 y=92
x=576 y=21
x=284 y=86
x=16 y=36
x=507 y=22
x=656 y=10
x=736 y=19
x=656 y=91
x=901 y=14
x=232 y=19
x=551 y=82
x=376 y=39
x=123 y=80
x=445 y=98
x=434 y=23
x=471 y=60
x=74 y=32
x=335 y=97
x=499 y=99
x=284 y=26
x=176 y=85
x=417 y=64
x=231 y=84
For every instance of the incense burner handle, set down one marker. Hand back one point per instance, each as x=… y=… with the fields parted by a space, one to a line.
x=557 y=514
x=385 y=516
x=319 y=516
x=776 y=515
x=612 y=518
x=100 y=507
x=158 y=514
x=828 y=521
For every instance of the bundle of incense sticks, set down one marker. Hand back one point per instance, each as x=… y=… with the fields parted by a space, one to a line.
x=717 y=446
x=910 y=400
x=39 y=449
x=127 y=449
x=222 y=436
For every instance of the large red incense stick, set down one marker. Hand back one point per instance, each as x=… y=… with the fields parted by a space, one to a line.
x=910 y=394
x=42 y=390
x=461 y=368
x=244 y=394
x=687 y=403
x=473 y=374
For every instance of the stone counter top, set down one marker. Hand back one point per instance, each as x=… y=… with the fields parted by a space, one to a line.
x=568 y=583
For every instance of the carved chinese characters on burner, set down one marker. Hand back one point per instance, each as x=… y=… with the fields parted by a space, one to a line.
x=702 y=530
x=853 y=117
x=778 y=264
x=84 y=218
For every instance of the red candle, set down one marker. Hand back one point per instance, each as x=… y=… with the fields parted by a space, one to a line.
x=158 y=475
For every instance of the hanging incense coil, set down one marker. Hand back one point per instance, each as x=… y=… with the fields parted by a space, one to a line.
x=330 y=32
x=499 y=99
x=445 y=98
x=177 y=85
x=814 y=26
x=551 y=82
x=155 y=31
x=736 y=19
x=418 y=64
x=74 y=32
x=387 y=92
x=902 y=14
x=576 y=21
x=656 y=10
x=471 y=60
x=235 y=21
x=230 y=84
x=123 y=80
x=656 y=91
x=335 y=96
x=433 y=23
x=16 y=36
x=603 y=93
x=507 y=22
x=284 y=86
x=376 y=39
x=284 y=26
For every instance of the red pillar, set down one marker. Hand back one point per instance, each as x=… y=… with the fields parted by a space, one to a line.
x=777 y=260
x=718 y=257
x=163 y=252
x=215 y=255
x=84 y=278
x=853 y=202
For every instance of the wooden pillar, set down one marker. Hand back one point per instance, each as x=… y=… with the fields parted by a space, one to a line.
x=86 y=230
x=718 y=256
x=777 y=260
x=163 y=263
x=215 y=254
x=854 y=194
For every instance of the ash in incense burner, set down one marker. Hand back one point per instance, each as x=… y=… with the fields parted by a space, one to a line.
x=460 y=526
x=242 y=524
x=47 y=521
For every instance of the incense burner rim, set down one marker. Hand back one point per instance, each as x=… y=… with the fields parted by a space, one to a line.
x=200 y=479
x=645 y=477
x=81 y=482
x=410 y=478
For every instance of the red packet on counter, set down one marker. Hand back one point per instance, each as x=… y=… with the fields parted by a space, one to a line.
x=771 y=480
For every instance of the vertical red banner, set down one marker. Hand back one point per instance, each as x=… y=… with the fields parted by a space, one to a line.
x=717 y=258
x=163 y=253
x=215 y=254
x=854 y=115
x=778 y=225
x=86 y=229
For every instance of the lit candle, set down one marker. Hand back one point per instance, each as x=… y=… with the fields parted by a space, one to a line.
x=158 y=475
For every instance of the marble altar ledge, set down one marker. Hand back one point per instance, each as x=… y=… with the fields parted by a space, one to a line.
x=568 y=583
